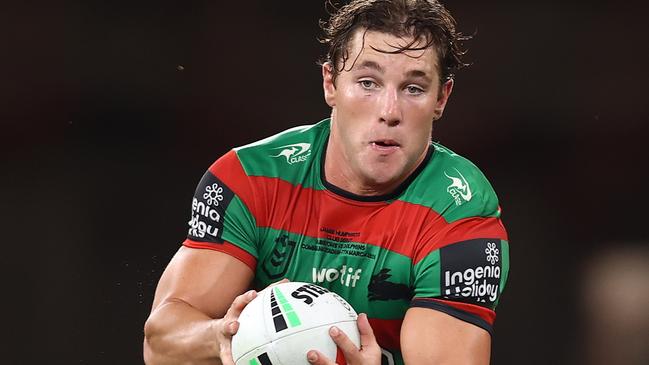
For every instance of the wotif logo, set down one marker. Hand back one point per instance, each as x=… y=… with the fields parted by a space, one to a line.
x=459 y=188
x=347 y=275
x=297 y=152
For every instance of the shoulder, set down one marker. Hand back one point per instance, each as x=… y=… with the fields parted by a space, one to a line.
x=454 y=187
x=282 y=153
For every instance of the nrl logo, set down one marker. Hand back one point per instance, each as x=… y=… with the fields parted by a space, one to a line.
x=297 y=152
x=459 y=188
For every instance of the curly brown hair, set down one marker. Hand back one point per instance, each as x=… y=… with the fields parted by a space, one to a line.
x=426 y=20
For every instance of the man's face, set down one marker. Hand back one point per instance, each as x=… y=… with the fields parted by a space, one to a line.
x=382 y=112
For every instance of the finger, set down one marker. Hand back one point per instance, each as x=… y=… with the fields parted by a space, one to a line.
x=318 y=358
x=239 y=303
x=365 y=330
x=343 y=342
x=231 y=328
x=225 y=353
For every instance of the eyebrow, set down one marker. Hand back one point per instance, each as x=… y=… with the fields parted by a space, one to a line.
x=418 y=74
x=375 y=66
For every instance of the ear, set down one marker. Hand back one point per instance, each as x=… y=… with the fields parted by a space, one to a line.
x=442 y=99
x=328 y=84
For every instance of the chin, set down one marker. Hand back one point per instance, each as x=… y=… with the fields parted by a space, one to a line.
x=381 y=176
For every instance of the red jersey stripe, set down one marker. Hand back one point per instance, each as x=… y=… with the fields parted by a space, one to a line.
x=230 y=171
x=306 y=211
x=340 y=356
x=462 y=230
x=387 y=332
x=317 y=213
x=225 y=247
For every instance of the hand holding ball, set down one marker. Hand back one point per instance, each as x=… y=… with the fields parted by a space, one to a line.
x=287 y=320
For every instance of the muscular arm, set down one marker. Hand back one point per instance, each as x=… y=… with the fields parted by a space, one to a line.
x=193 y=295
x=432 y=337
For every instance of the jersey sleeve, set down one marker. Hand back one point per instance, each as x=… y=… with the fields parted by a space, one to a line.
x=222 y=217
x=463 y=267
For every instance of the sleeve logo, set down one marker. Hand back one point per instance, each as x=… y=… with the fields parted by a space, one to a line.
x=209 y=205
x=213 y=194
x=459 y=188
x=293 y=153
x=471 y=271
x=492 y=252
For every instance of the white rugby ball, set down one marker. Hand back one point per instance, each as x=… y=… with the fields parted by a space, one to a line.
x=287 y=320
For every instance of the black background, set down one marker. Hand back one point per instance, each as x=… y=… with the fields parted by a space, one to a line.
x=112 y=111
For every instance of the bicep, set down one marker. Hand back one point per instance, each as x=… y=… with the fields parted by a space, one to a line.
x=433 y=337
x=207 y=280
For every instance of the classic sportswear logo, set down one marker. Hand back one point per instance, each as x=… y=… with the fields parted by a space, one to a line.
x=459 y=188
x=297 y=152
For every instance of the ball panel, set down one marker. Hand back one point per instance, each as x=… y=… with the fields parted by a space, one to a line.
x=263 y=355
x=293 y=349
x=287 y=320
x=296 y=306
x=251 y=323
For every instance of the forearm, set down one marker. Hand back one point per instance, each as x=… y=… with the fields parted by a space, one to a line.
x=177 y=333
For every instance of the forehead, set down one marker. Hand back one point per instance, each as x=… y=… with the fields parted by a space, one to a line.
x=377 y=46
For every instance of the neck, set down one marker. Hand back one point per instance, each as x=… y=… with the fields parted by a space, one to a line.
x=340 y=173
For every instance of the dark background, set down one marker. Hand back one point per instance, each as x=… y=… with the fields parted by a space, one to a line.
x=112 y=111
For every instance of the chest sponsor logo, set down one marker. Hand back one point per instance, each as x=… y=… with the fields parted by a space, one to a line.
x=210 y=201
x=277 y=264
x=294 y=153
x=471 y=271
x=382 y=289
x=459 y=188
x=347 y=276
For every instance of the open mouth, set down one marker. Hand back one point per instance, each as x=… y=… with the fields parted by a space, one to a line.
x=385 y=143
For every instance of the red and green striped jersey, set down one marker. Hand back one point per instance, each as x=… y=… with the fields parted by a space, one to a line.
x=437 y=241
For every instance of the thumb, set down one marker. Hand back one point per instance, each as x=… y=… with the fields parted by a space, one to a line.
x=365 y=330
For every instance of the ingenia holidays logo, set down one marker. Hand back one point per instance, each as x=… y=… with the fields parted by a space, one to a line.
x=209 y=204
x=471 y=270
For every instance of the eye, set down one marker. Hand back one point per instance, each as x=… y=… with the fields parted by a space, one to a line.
x=367 y=84
x=414 y=90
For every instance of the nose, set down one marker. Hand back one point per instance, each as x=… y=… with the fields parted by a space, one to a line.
x=390 y=110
